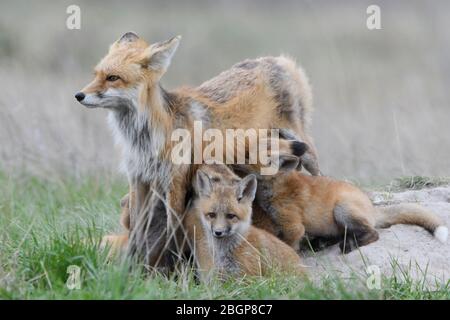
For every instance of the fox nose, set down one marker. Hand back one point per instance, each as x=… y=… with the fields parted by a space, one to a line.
x=80 y=96
x=219 y=233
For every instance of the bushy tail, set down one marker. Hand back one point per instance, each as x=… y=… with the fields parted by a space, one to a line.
x=409 y=213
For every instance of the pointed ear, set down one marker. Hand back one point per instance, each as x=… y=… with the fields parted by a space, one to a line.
x=202 y=184
x=247 y=188
x=128 y=37
x=287 y=162
x=159 y=55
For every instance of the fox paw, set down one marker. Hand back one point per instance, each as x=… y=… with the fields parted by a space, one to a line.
x=348 y=245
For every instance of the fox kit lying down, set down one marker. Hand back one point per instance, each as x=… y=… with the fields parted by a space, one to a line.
x=219 y=227
x=335 y=211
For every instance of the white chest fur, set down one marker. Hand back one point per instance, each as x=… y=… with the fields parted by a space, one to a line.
x=141 y=145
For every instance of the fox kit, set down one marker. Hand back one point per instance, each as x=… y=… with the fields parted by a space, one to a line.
x=264 y=93
x=219 y=225
x=323 y=208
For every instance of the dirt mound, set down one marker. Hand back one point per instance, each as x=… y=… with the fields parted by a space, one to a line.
x=407 y=251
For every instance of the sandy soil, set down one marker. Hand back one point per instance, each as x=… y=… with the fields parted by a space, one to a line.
x=400 y=248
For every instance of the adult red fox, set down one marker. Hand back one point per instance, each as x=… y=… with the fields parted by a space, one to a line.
x=264 y=93
x=331 y=210
x=218 y=223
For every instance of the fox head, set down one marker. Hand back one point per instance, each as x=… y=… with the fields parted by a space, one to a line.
x=125 y=75
x=225 y=209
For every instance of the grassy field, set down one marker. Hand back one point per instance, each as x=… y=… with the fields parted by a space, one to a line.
x=49 y=225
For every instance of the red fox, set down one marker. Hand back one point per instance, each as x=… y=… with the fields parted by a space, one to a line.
x=324 y=208
x=218 y=223
x=264 y=93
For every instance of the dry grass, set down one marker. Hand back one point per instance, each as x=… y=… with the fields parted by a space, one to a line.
x=382 y=104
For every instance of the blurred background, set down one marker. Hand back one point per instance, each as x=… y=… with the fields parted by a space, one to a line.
x=382 y=98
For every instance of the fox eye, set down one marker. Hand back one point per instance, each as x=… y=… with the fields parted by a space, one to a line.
x=211 y=215
x=112 y=78
x=231 y=216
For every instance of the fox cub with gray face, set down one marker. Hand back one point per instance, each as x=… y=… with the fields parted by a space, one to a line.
x=330 y=211
x=218 y=223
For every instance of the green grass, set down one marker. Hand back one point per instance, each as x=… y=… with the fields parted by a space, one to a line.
x=47 y=226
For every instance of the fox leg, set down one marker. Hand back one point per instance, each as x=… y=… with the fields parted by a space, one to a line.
x=162 y=236
x=176 y=200
x=292 y=228
x=293 y=234
x=356 y=230
x=319 y=243
x=116 y=243
x=309 y=159
x=246 y=151
x=119 y=242
x=148 y=224
x=125 y=211
x=138 y=200
x=310 y=162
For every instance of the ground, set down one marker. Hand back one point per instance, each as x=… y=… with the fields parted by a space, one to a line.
x=47 y=226
x=401 y=249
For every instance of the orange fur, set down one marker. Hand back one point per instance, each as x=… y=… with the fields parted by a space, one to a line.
x=326 y=208
x=244 y=249
x=262 y=94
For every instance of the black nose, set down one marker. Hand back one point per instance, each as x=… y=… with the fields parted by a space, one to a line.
x=80 y=96
x=218 y=233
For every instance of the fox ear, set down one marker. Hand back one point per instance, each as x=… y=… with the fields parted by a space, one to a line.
x=202 y=184
x=125 y=39
x=247 y=188
x=159 y=55
x=287 y=162
x=128 y=37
